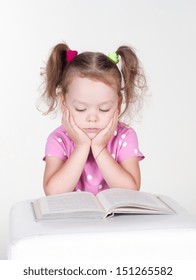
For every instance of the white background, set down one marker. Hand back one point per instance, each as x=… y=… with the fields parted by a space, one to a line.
x=164 y=35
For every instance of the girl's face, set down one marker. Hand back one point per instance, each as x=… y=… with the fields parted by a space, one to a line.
x=91 y=103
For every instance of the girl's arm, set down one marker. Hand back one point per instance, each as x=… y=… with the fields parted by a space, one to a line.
x=123 y=175
x=127 y=173
x=60 y=176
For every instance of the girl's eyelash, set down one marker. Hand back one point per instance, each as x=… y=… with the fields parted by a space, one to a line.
x=80 y=110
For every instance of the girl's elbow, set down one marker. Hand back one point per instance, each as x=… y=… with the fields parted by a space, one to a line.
x=49 y=188
x=132 y=186
x=52 y=188
x=135 y=186
x=137 y=183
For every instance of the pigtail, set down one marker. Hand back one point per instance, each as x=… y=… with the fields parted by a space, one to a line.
x=134 y=81
x=64 y=63
x=54 y=74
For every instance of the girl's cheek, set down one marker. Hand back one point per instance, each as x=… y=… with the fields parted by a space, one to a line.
x=110 y=116
x=106 y=120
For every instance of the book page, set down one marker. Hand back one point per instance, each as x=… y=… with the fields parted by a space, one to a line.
x=69 y=202
x=113 y=198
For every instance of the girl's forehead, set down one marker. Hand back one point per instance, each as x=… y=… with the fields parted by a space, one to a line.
x=88 y=82
x=80 y=102
x=85 y=88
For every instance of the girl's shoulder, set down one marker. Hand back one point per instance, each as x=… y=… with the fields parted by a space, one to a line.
x=59 y=129
x=125 y=143
x=59 y=134
x=123 y=128
x=58 y=144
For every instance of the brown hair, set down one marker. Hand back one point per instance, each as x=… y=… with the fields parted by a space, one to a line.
x=129 y=80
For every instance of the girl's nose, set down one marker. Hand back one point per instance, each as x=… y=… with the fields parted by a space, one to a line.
x=92 y=117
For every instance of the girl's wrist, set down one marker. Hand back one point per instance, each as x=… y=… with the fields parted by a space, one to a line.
x=99 y=153
x=84 y=146
x=96 y=150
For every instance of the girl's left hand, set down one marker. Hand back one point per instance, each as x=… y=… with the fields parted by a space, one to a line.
x=100 y=141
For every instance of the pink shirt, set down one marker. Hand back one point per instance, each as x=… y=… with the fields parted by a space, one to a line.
x=122 y=145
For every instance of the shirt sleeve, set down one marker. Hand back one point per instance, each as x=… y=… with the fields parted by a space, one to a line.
x=128 y=143
x=55 y=147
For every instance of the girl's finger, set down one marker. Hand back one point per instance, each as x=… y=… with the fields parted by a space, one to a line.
x=72 y=122
x=67 y=115
x=108 y=127
x=116 y=117
x=74 y=125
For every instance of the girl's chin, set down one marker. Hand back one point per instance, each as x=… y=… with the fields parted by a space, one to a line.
x=91 y=135
x=91 y=132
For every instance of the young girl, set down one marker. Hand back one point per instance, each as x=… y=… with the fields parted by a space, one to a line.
x=92 y=151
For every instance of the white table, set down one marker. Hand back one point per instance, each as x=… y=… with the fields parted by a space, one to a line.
x=125 y=236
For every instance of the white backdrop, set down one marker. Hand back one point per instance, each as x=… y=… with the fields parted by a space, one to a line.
x=164 y=35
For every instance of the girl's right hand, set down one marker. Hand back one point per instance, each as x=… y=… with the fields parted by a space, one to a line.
x=78 y=136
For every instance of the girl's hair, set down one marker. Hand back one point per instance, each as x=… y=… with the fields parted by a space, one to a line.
x=128 y=79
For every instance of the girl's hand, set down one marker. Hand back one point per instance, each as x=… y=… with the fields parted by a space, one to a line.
x=100 y=141
x=78 y=136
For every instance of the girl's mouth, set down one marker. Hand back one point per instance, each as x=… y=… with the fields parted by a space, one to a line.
x=92 y=130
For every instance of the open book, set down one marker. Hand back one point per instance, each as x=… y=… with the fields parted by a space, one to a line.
x=105 y=204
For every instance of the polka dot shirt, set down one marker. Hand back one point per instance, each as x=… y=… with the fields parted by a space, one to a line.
x=122 y=145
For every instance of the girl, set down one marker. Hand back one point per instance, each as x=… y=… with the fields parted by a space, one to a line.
x=92 y=151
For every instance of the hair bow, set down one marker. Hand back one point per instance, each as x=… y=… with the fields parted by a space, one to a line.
x=71 y=55
x=113 y=57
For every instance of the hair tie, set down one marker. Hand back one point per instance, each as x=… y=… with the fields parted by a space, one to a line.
x=113 y=56
x=70 y=55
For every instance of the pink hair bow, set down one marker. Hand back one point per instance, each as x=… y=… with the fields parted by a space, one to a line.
x=71 y=55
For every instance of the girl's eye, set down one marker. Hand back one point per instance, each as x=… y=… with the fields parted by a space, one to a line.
x=103 y=110
x=80 y=110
